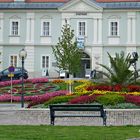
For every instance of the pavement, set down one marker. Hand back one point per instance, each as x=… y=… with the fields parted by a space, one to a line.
x=11 y=105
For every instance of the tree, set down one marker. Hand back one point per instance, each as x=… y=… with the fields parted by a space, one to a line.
x=120 y=72
x=67 y=54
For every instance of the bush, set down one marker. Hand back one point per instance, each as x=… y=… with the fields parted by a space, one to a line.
x=132 y=99
x=110 y=99
x=133 y=88
x=123 y=106
x=58 y=99
x=85 y=99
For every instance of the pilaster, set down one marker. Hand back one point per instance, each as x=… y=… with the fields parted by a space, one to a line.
x=29 y=61
x=1 y=27
x=30 y=28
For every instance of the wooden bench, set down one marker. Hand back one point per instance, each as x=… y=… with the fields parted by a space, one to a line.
x=76 y=107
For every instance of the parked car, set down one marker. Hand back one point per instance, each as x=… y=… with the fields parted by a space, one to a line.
x=17 y=74
x=63 y=74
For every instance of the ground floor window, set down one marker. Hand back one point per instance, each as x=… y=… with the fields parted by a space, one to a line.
x=13 y=60
x=44 y=61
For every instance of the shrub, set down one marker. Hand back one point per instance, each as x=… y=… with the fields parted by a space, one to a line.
x=83 y=99
x=58 y=99
x=40 y=99
x=122 y=106
x=99 y=87
x=110 y=99
x=126 y=106
x=132 y=99
x=132 y=88
x=58 y=81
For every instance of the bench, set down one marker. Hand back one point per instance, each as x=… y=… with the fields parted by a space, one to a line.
x=76 y=107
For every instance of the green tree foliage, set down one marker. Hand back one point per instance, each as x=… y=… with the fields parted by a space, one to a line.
x=120 y=72
x=67 y=54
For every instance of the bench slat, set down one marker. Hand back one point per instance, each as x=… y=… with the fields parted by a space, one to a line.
x=76 y=109
x=77 y=115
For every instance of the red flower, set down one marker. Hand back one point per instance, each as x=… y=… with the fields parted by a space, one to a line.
x=132 y=88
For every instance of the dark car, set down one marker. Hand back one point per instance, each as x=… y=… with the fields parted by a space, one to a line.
x=17 y=74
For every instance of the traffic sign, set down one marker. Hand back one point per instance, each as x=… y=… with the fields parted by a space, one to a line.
x=80 y=42
x=11 y=69
x=11 y=75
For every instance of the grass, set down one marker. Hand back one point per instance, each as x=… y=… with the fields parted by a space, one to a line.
x=44 y=132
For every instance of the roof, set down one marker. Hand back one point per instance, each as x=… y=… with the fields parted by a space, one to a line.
x=46 y=0
x=6 y=0
x=21 y=5
x=116 y=4
x=117 y=0
x=55 y=4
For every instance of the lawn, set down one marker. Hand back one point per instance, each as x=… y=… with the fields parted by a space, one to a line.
x=44 y=132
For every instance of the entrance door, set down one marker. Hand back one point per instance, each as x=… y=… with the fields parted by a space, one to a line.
x=85 y=65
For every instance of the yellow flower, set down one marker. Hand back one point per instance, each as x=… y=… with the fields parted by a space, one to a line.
x=57 y=81
x=69 y=81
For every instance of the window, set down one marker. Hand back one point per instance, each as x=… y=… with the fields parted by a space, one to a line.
x=82 y=28
x=15 y=28
x=45 y=61
x=13 y=60
x=114 y=28
x=45 y=27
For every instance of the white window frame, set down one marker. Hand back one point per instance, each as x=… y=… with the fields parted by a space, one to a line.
x=85 y=28
x=42 y=30
x=11 y=21
x=118 y=28
x=46 y=55
x=14 y=60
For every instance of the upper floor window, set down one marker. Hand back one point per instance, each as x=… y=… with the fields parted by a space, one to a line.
x=114 y=28
x=45 y=28
x=45 y=61
x=82 y=28
x=14 y=27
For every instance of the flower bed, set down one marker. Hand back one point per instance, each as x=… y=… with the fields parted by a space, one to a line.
x=37 y=91
x=40 y=91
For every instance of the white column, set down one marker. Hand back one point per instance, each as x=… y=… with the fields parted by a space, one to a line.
x=130 y=49
x=131 y=28
x=97 y=58
x=1 y=27
x=30 y=28
x=29 y=61
x=134 y=30
x=95 y=33
x=1 y=58
x=100 y=31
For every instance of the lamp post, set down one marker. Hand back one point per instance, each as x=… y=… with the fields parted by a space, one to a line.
x=134 y=64
x=22 y=56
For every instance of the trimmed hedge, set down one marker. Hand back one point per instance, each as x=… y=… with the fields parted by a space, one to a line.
x=110 y=99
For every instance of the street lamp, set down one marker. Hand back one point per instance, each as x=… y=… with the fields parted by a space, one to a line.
x=22 y=56
x=134 y=64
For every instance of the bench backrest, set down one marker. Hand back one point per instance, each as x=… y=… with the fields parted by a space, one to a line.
x=76 y=107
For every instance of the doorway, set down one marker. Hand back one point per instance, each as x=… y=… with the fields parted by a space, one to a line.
x=85 y=65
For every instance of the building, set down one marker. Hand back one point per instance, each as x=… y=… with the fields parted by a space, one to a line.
x=106 y=26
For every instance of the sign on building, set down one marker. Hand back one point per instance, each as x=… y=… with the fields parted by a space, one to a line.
x=80 y=42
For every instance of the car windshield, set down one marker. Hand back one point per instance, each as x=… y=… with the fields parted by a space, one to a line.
x=17 y=69
x=5 y=71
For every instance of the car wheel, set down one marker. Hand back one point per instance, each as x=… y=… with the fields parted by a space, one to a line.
x=20 y=78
